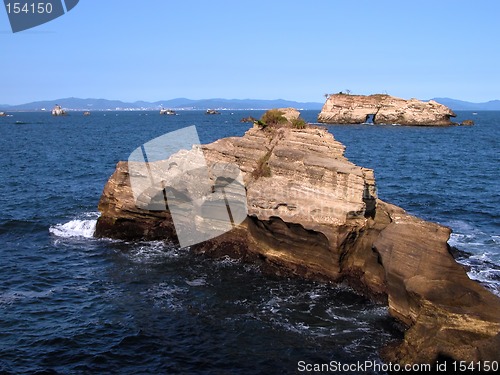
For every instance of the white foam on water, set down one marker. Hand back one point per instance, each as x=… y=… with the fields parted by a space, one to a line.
x=200 y=281
x=335 y=315
x=485 y=277
x=483 y=270
x=226 y=261
x=167 y=296
x=75 y=228
x=153 y=252
x=484 y=250
x=12 y=297
x=458 y=239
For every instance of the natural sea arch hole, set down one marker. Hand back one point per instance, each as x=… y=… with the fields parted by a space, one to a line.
x=370 y=119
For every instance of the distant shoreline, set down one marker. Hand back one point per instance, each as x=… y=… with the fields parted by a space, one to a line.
x=189 y=110
x=184 y=104
x=149 y=110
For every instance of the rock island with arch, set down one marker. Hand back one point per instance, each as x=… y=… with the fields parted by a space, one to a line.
x=344 y=108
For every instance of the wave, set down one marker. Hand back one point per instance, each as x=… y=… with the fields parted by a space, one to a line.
x=11 y=297
x=480 y=254
x=152 y=252
x=483 y=269
x=490 y=277
x=75 y=228
x=200 y=281
x=167 y=296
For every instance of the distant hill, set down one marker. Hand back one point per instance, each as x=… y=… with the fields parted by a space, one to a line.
x=184 y=103
x=460 y=105
x=104 y=104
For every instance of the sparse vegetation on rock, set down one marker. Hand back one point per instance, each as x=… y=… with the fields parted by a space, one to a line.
x=283 y=117
x=273 y=117
x=263 y=169
x=299 y=123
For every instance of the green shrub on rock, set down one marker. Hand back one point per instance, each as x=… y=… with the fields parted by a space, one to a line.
x=273 y=117
x=299 y=123
x=263 y=169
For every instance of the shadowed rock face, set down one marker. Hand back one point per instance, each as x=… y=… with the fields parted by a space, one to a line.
x=315 y=214
x=383 y=109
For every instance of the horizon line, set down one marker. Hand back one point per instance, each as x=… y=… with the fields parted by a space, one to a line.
x=158 y=102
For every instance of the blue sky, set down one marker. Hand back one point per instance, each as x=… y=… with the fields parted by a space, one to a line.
x=299 y=50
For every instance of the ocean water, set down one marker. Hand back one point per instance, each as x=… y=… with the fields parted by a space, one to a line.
x=70 y=303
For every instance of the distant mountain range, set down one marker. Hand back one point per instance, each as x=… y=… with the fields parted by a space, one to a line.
x=460 y=105
x=179 y=103
x=183 y=103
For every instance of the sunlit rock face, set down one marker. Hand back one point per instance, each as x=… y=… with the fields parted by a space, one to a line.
x=384 y=109
x=310 y=212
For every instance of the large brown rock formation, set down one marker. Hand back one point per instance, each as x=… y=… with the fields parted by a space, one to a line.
x=313 y=213
x=385 y=109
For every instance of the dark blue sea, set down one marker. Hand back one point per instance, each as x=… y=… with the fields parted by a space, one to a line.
x=72 y=304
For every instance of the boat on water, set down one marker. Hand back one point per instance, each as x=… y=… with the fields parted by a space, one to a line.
x=58 y=111
x=170 y=112
x=3 y=114
x=86 y=113
x=212 y=112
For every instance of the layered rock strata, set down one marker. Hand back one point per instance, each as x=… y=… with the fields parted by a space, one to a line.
x=313 y=213
x=383 y=109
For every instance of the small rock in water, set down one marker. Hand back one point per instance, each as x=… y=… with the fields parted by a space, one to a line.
x=467 y=123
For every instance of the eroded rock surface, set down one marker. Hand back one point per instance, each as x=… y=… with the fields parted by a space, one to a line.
x=383 y=109
x=313 y=213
